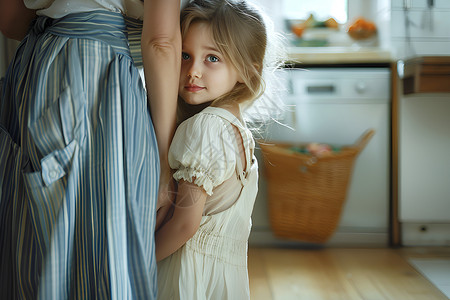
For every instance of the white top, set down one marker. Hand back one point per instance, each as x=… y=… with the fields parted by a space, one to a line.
x=60 y=8
x=204 y=148
x=213 y=263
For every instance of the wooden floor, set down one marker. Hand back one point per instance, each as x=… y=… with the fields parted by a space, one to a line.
x=337 y=273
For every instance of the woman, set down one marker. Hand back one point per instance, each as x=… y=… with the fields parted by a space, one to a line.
x=80 y=163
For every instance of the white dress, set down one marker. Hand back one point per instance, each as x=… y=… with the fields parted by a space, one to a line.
x=213 y=263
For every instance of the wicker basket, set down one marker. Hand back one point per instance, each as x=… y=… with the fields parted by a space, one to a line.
x=307 y=193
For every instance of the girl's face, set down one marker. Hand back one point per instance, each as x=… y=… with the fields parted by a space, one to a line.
x=205 y=74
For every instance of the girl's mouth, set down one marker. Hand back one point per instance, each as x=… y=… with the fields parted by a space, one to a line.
x=193 y=88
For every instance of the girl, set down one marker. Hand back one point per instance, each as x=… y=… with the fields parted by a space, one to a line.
x=224 y=45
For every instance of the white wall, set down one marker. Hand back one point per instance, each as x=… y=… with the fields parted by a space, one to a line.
x=428 y=32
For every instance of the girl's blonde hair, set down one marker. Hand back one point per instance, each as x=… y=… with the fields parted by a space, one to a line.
x=240 y=35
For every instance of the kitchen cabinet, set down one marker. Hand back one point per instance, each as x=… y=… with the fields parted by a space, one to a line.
x=420 y=122
x=423 y=143
x=429 y=74
x=424 y=169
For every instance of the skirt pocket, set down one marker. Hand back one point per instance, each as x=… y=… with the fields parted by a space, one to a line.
x=46 y=191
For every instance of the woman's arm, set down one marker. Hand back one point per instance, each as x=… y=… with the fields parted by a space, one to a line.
x=15 y=19
x=161 y=53
x=184 y=222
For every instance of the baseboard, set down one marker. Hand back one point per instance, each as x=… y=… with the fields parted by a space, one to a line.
x=425 y=234
x=265 y=238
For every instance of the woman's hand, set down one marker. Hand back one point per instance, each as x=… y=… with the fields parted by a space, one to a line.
x=166 y=197
x=166 y=192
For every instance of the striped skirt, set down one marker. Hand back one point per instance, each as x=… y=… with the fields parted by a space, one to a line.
x=79 y=168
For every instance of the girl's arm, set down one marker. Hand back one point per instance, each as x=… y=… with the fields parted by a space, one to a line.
x=163 y=215
x=184 y=222
x=15 y=19
x=161 y=53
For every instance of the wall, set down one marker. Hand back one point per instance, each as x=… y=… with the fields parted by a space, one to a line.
x=7 y=50
x=417 y=30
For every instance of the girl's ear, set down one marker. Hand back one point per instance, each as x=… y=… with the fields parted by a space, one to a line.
x=257 y=67
x=239 y=76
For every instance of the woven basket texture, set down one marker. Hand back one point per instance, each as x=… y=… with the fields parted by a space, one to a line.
x=306 y=194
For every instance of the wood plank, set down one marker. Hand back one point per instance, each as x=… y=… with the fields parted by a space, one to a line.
x=259 y=282
x=384 y=274
x=311 y=275
x=339 y=273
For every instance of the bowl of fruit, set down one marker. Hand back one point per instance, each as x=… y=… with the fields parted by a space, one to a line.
x=312 y=32
x=362 y=29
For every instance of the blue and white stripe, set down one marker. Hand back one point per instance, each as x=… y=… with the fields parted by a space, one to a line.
x=79 y=166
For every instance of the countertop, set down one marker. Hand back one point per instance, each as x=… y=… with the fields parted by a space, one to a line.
x=338 y=55
x=425 y=74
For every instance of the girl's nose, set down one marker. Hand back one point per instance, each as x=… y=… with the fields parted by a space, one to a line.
x=194 y=71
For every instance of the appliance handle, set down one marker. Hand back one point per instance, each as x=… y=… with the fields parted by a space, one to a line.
x=321 y=89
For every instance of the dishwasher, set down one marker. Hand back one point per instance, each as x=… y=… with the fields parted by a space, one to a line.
x=335 y=106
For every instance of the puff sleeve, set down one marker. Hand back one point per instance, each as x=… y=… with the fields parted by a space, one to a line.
x=202 y=151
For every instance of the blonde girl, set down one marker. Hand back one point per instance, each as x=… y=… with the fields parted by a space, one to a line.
x=202 y=248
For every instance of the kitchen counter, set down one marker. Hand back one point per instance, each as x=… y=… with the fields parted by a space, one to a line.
x=338 y=55
x=425 y=74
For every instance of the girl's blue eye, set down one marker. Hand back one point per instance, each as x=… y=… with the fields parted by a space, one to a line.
x=212 y=58
x=185 y=56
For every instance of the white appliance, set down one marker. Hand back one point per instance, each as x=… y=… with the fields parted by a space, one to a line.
x=424 y=170
x=336 y=106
